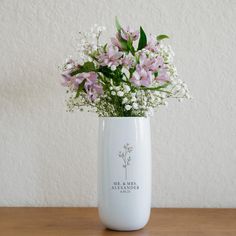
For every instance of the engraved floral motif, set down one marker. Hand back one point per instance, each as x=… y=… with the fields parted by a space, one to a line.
x=126 y=157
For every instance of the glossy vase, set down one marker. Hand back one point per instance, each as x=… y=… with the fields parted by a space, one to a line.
x=124 y=172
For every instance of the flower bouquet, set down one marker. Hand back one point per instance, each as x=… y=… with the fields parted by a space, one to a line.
x=128 y=77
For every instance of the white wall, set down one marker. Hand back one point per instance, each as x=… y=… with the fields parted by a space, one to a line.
x=48 y=156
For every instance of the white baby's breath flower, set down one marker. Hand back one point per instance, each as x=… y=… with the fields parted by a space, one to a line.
x=113 y=93
x=163 y=95
x=125 y=100
x=68 y=59
x=113 y=67
x=178 y=87
x=124 y=78
x=120 y=93
x=125 y=71
x=127 y=107
x=117 y=88
x=69 y=66
x=94 y=47
x=179 y=81
x=188 y=96
x=149 y=112
x=185 y=86
x=135 y=105
x=126 y=88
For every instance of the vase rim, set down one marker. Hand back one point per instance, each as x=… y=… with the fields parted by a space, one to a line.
x=123 y=117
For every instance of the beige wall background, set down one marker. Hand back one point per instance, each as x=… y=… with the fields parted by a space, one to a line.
x=48 y=157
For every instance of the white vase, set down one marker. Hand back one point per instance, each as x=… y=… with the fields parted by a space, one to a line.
x=124 y=172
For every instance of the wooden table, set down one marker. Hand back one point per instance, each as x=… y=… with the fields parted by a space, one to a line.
x=84 y=221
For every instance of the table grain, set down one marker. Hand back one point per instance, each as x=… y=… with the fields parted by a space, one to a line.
x=25 y=221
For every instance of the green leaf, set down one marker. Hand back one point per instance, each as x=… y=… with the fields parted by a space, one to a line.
x=130 y=46
x=158 y=88
x=123 y=44
x=87 y=67
x=118 y=26
x=155 y=74
x=142 y=40
x=162 y=36
x=106 y=71
x=75 y=72
x=80 y=88
x=104 y=47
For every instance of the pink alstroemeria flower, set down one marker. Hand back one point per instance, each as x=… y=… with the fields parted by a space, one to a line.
x=144 y=73
x=153 y=44
x=91 y=85
x=115 y=41
x=129 y=34
x=141 y=77
x=162 y=76
x=127 y=61
x=111 y=57
x=153 y=64
x=68 y=80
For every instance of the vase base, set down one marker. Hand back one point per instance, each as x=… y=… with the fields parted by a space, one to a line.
x=124 y=230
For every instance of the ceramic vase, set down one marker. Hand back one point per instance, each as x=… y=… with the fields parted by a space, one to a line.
x=124 y=172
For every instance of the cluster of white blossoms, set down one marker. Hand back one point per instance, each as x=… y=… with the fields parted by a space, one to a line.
x=115 y=79
x=88 y=42
x=139 y=101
